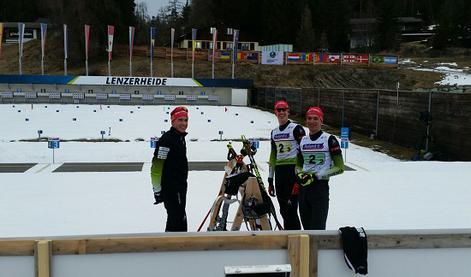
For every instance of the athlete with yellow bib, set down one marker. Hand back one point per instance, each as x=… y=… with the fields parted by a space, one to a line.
x=283 y=157
x=320 y=158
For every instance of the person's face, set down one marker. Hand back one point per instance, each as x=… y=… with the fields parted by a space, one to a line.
x=314 y=123
x=180 y=124
x=282 y=115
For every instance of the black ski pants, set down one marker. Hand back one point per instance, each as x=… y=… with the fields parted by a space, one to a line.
x=285 y=177
x=314 y=205
x=175 y=203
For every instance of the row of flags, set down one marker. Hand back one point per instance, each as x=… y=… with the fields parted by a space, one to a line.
x=339 y=58
x=109 y=49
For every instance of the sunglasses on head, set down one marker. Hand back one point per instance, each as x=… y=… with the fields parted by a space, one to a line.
x=281 y=110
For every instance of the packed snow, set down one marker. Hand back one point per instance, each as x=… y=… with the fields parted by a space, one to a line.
x=381 y=192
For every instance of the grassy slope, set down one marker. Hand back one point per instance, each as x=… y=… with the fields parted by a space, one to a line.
x=331 y=76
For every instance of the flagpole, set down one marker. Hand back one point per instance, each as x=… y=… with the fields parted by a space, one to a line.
x=151 y=45
x=172 y=35
x=130 y=66
x=86 y=36
x=131 y=44
x=151 y=67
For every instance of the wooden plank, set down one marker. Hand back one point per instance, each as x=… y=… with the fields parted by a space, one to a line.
x=298 y=255
x=171 y=243
x=17 y=247
x=425 y=241
x=42 y=258
x=313 y=256
x=304 y=255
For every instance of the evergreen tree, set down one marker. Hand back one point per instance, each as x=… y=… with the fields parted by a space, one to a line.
x=387 y=29
x=305 y=40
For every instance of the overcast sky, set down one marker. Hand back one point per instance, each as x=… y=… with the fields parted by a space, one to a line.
x=153 y=6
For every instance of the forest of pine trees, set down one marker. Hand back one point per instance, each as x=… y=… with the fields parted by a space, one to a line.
x=308 y=24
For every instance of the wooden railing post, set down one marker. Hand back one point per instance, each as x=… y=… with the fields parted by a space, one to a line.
x=42 y=258
x=298 y=255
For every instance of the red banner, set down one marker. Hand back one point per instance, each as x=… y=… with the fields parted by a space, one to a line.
x=362 y=58
x=87 y=40
x=110 y=41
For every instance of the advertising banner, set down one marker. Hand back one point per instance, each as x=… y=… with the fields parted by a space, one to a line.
x=272 y=57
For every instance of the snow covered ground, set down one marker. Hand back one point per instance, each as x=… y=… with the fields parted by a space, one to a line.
x=452 y=75
x=382 y=192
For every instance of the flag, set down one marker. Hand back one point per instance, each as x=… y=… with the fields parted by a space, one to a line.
x=193 y=47
x=193 y=42
x=362 y=58
x=43 y=38
x=390 y=59
x=322 y=57
x=294 y=57
x=193 y=37
x=235 y=44
x=310 y=57
x=110 y=41
x=172 y=36
x=349 y=58
x=247 y=56
x=152 y=34
x=215 y=37
x=87 y=40
x=131 y=40
x=1 y=36
x=376 y=59
x=224 y=55
x=21 y=33
x=65 y=41
x=334 y=58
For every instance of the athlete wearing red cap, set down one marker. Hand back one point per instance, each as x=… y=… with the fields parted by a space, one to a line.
x=169 y=171
x=320 y=158
x=284 y=144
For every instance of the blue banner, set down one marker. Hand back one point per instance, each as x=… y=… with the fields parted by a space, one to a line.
x=152 y=34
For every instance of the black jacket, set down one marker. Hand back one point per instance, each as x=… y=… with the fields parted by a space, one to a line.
x=175 y=166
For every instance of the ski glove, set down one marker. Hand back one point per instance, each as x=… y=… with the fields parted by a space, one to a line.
x=158 y=198
x=306 y=178
x=271 y=188
x=295 y=191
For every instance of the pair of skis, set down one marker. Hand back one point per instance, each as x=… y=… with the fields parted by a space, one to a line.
x=255 y=206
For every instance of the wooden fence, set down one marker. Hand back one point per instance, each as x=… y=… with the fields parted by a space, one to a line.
x=302 y=247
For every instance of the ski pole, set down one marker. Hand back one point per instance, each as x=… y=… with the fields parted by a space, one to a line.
x=204 y=220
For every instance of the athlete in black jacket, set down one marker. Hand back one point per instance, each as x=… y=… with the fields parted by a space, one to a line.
x=169 y=172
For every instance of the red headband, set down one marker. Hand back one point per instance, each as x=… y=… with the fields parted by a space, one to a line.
x=317 y=111
x=281 y=104
x=179 y=112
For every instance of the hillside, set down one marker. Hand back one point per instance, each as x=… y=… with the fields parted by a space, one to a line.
x=330 y=76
